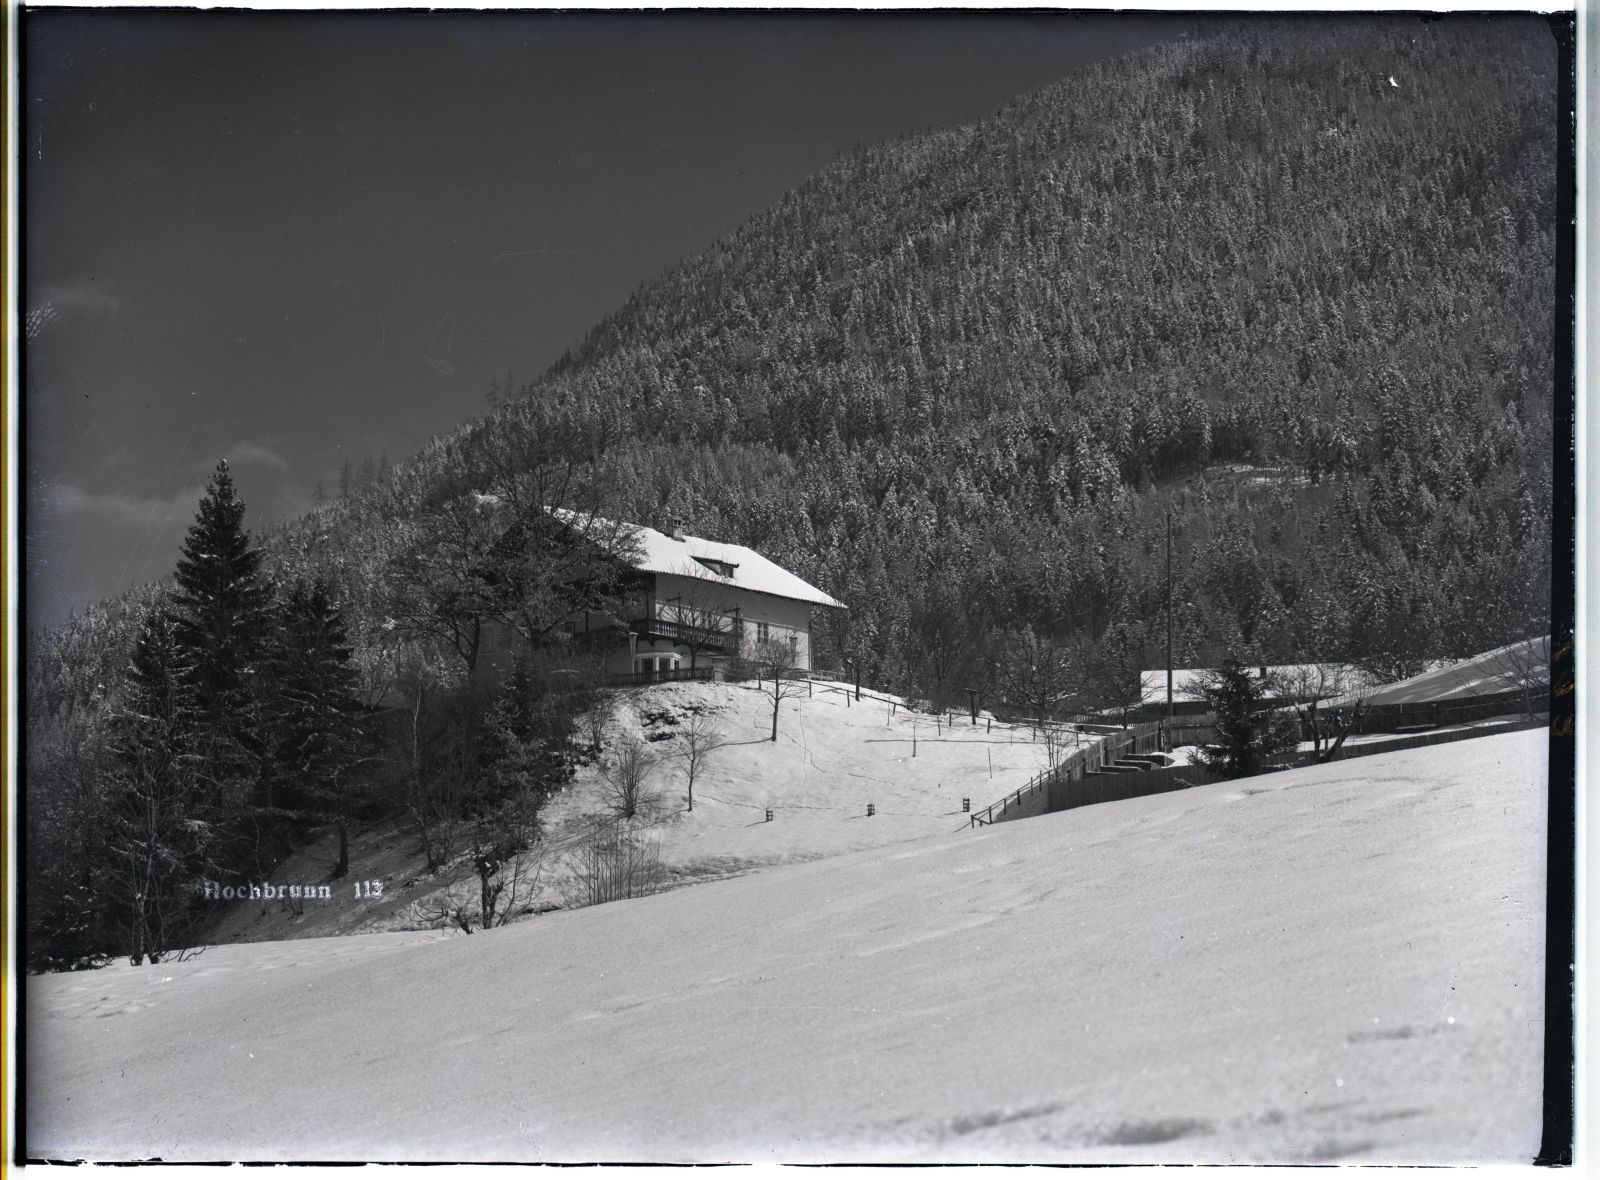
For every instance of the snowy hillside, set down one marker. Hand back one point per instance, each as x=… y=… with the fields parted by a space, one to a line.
x=833 y=757
x=1334 y=963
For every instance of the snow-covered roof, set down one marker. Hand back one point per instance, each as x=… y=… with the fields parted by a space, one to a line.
x=658 y=553
x=1514 y=666
x=1187 y=683
x=1523 y=664
x=663 y=554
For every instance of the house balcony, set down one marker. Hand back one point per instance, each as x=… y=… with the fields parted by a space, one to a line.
x=718 y=637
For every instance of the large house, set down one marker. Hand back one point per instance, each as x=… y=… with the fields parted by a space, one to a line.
x=698 y=605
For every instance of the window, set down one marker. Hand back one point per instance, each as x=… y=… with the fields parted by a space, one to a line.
x=761 y=633
x=721 y=568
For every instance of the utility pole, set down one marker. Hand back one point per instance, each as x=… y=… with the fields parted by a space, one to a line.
x=1169 y=618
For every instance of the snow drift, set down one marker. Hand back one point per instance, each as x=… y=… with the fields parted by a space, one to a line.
x=1337 y=962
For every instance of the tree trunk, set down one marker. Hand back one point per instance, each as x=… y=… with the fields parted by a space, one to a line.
x=1344 y=732
x=485 y=899
x=342 y=868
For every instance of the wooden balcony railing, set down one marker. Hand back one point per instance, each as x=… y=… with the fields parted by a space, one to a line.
x=701 y=638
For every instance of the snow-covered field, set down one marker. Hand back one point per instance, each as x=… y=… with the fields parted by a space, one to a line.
x=1334 y=963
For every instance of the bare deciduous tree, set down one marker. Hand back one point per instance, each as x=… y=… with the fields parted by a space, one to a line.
x=1306 y=688
x=436 y=769
x=775 y=676
x=1521 y=666
x=1058 y=739
x=503 y=858
x=697 y=741
x=611 y=862
x=703 y=610
x=1038 y=673
x=627 y=778
x=597 y=720
x=1112 y=668
x=509 y=534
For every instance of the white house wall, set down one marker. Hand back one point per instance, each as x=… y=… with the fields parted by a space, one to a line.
x=783 y=616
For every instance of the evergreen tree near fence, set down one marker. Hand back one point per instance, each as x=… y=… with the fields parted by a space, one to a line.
x=1247 y=734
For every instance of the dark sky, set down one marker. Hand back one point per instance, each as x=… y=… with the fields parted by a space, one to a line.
x=285 y=240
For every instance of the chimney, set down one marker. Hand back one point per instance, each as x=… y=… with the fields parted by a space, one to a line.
x=675 y=528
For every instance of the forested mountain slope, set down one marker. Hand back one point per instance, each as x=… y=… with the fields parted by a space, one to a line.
x=956 y=379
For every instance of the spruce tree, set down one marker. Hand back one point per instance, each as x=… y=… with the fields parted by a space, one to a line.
x=163 y=825
x=1247 y=735
x=221 y=620
x=316 y=738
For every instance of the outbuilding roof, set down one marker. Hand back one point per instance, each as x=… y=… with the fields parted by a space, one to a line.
x=1188 y=684
x=1524 y=664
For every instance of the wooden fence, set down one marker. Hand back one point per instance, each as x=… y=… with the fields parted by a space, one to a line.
x=1067 y=794
x=661 y=676
x=1389 y=718
x=1025 y=800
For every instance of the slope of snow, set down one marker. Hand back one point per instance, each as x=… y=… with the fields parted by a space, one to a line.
x=1332 y=963
x=832 y=758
